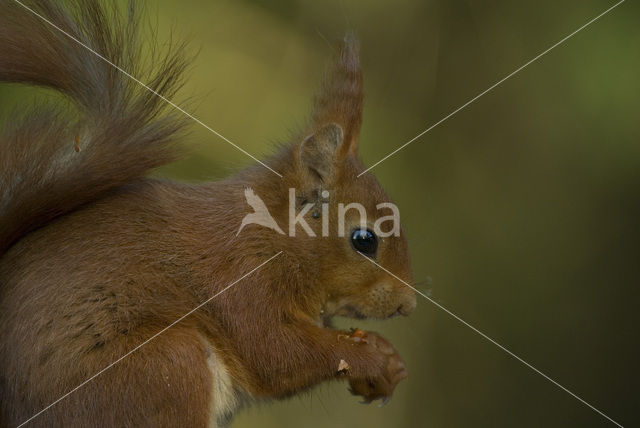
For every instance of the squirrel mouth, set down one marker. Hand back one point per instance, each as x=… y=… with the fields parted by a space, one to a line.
x=351 y=312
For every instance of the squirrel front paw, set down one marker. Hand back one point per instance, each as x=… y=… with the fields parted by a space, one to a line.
x=381 y=383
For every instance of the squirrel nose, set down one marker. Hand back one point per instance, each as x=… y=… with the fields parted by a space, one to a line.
x=408 y=306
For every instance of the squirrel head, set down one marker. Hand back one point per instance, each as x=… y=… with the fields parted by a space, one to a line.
x=346 y=222
x=356 y=228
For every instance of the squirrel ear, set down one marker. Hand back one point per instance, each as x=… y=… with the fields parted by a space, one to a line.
x=340 y=98
x=317 y=152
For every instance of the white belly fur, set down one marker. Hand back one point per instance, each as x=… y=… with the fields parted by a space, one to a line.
x=224 y=401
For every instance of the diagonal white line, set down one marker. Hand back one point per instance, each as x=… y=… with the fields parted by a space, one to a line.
x=149 y=339
x=171 y=103
x=491 y=87
x=494 y=342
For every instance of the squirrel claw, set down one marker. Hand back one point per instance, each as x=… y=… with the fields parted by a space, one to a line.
x=384 y=401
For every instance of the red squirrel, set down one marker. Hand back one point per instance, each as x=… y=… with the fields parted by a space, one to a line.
x=96 y=258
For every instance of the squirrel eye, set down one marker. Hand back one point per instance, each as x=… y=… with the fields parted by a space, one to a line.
x=364 y=241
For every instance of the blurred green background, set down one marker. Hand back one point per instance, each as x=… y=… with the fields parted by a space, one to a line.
x=522 y=210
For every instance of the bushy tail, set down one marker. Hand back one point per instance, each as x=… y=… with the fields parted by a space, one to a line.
x=52 y=160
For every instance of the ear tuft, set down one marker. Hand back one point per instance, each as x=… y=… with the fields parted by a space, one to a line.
x=317 y=152
x=340 y=98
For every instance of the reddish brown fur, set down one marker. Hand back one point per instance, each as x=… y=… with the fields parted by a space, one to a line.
x=123 y=257
x=122 y=128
